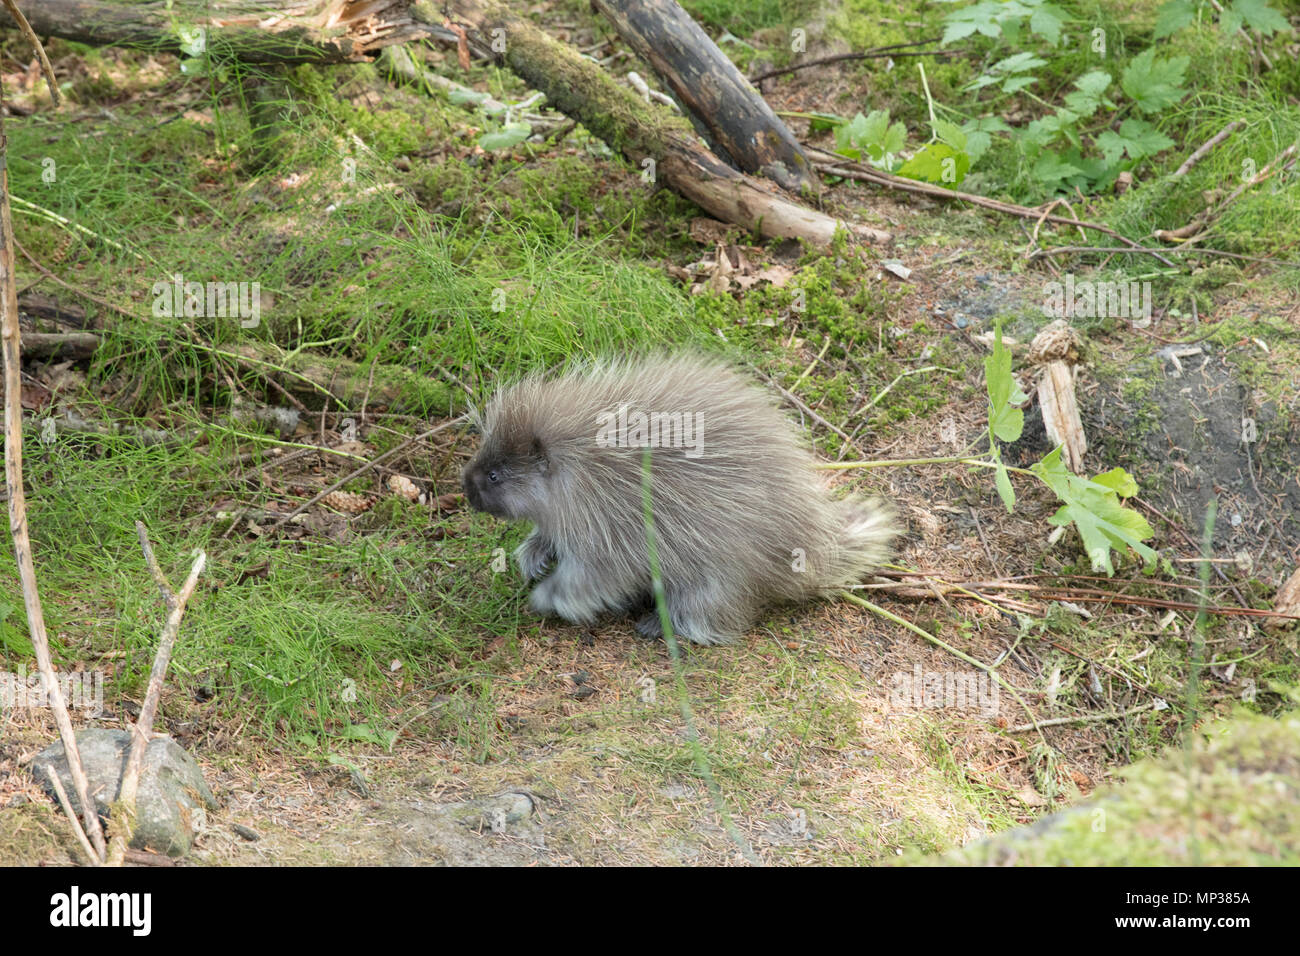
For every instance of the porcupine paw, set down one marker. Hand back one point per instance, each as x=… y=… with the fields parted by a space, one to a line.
x=566 y=593
x=648 y=626
x=693 y=629
x=534 y=556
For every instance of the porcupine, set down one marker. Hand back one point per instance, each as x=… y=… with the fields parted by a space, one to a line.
x=741 y=518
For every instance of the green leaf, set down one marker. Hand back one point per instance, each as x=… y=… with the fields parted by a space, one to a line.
x=1154 y=83
x=1119 y=481
x=1089 y=94
x=1051 y=169
x=937 y=163
x=1136 y=137
x=873 y=135
x=1003 y=481
x=1005 y=421
x=983 y=17
x=1046 y=129
x=979 y=135
x=1259 y=16
x=950 y=133
x=1047 y=21
x=461 y=97
x=1093 y=507
x=1173 y=16
x=512 y=134
x=1018 y=63
x=1017 y=83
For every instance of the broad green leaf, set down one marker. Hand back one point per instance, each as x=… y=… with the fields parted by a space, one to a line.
x=979 y=135
x=512 y=134
x=1005 y=420
x=1119 y=481
x=1154 y=83
x=1173 y=16
x=1089 y=94
x=1051 y=168
x=1095 y=510
x=1258 y=15
x=1003 y=481
x=1019 y=63
x=1047 y=21
x=873 y=135
x=950 y=133
x=937 y=163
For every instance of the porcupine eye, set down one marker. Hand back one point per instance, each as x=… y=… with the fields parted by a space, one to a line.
x=494 y=477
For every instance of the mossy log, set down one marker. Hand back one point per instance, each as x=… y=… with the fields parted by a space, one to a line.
x=665 y=148
x=738 y=124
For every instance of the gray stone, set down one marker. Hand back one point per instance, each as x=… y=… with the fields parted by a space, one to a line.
x=171 y=798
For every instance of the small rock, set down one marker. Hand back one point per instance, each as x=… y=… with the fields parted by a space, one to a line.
x=171 y=796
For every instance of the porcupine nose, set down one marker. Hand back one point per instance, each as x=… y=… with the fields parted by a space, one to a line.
x=469 y=481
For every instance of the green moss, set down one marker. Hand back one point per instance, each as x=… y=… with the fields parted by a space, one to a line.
x=1232 y=799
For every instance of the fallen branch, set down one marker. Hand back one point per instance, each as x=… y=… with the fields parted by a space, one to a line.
x=1087 y=718
x=663 y=147
x=255 y=31
x=737 y=123
x=1205 y=148
x=124 y=807
x=875 y=53
x=73 y=345
x=834 y=165
x=1196 y=228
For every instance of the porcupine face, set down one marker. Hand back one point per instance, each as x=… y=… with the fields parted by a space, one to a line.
x=507 y=479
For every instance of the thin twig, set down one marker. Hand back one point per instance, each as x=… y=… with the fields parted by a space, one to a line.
x=886 y=390
x=840 y=166
x=876 y=53
x=124 y=807
x=1085 y=718
x=364 y=468
x=1173 y=250
x=72 y=816
x=803 y=407
x=70 y=287
x=1205 y=147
